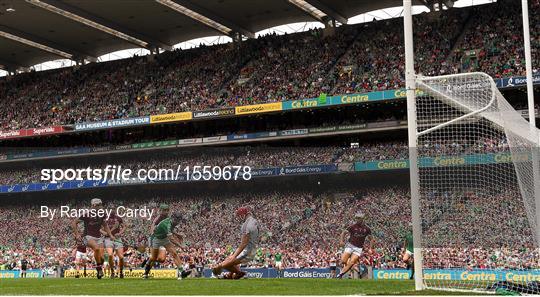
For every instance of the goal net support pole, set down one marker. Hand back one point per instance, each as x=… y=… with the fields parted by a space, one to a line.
x=528 y=64
x=413 y=157
x=532 y=112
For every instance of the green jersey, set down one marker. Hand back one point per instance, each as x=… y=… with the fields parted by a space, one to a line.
x=163 y=229
x=409 y=239
x=278 y=257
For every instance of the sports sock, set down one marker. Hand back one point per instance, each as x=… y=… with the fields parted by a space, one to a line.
x=147 y=268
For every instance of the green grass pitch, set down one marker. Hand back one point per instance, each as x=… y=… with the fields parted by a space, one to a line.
x=208 y=287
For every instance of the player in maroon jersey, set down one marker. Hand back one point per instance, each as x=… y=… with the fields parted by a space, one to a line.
x=91 y=235
x=358 y=233
x=81 y=258
x=112 y=247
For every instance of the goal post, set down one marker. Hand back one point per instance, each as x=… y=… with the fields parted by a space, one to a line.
x=476 y=196
x=412 y=140
x=475 y=186
x=530 y=98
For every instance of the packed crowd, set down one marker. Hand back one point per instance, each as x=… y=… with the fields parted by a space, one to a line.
x=303 y=226
x=493 y=42
x=265 y=157
x=356 y=58
x=290 y=66
x=254 y=157
x=372 y=63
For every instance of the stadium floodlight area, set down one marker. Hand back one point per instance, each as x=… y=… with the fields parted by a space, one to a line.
x=307 y=7
x=88 y=22
x=36 y=45
x=478 y=207
x=196 y=16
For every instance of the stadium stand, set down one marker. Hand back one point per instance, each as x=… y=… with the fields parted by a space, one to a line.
x=302 y=225
x=270 y=68
x=264 y=157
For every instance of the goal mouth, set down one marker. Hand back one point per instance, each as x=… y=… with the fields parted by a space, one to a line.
x=479 y=205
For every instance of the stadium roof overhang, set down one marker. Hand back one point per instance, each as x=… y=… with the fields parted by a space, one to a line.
x=36 y=31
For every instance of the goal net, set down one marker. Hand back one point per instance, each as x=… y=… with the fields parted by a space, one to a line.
x=477 y=160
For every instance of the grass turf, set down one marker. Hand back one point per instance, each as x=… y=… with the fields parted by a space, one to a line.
x=62 y=286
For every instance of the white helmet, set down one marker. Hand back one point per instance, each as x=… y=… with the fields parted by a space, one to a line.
x=95 y=201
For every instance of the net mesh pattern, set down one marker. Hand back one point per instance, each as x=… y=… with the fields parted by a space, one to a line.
x=477 y=158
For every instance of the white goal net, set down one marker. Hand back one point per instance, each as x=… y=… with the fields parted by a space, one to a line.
x=476 y=161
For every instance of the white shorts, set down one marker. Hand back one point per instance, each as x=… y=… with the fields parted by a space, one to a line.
x=156 y=243
x=246 y=255
x=113 y=244
x=81 y=256
x=351 y=249
x=279 y=264
x=97 y=240
x=409 y=253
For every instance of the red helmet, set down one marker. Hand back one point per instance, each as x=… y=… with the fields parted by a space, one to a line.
x=242 y=211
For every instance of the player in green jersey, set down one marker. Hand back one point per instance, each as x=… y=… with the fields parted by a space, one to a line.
x=408 y=247
x=164 y=236
x=278 y=259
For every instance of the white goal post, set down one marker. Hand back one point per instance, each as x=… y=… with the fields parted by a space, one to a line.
x=477 y=180
x=476 y=162
x=474 y=176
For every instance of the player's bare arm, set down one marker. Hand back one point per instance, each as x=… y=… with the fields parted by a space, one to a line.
x=174 y=240
x=242 y=246
x=75 y=228
x=342 y=237
x=175 y=237
x=105 y=226
x=120 y=232
x=370 y=242
x=178 y=236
